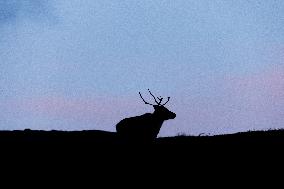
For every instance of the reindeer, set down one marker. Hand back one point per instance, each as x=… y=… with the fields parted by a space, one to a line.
x=146 y=126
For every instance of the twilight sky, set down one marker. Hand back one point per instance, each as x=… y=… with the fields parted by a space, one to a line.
x=79 y=64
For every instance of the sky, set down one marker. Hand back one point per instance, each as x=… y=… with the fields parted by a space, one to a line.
x=79 y=64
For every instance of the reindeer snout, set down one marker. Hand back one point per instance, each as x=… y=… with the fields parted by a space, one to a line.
x=173 y=116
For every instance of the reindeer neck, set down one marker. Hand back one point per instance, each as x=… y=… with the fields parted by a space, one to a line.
x=157 y=117
x=157 y=122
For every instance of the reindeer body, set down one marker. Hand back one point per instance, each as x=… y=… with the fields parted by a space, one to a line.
x=146 y=126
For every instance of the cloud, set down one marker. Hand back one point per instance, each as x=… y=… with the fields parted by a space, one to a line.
x=234 y=104
x=266 y=84
x=239 y=103
x=62 y=112
x=12 y=11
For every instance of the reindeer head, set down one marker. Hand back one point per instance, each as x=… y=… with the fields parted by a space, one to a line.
x=160 y=109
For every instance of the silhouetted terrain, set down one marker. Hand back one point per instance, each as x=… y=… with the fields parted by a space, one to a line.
x=106 y=150
x=95 y=138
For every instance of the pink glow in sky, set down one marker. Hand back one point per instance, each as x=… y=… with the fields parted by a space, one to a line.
x=253 y=101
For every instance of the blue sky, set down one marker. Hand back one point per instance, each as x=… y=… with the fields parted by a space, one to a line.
x=75 y=65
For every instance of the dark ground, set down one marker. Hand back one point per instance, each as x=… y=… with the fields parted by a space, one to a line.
x=100 y=151
x=95 y=138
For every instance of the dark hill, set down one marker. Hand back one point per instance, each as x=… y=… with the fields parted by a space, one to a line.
x=242 y=138
x=102 y=138
x=101 y=148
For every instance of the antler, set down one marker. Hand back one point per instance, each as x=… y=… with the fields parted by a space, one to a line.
x=167 y=101
x=154 y=97
x=145 y=100
x=159 y=98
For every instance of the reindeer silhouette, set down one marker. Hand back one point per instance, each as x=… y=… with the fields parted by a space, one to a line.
x=146 y=126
